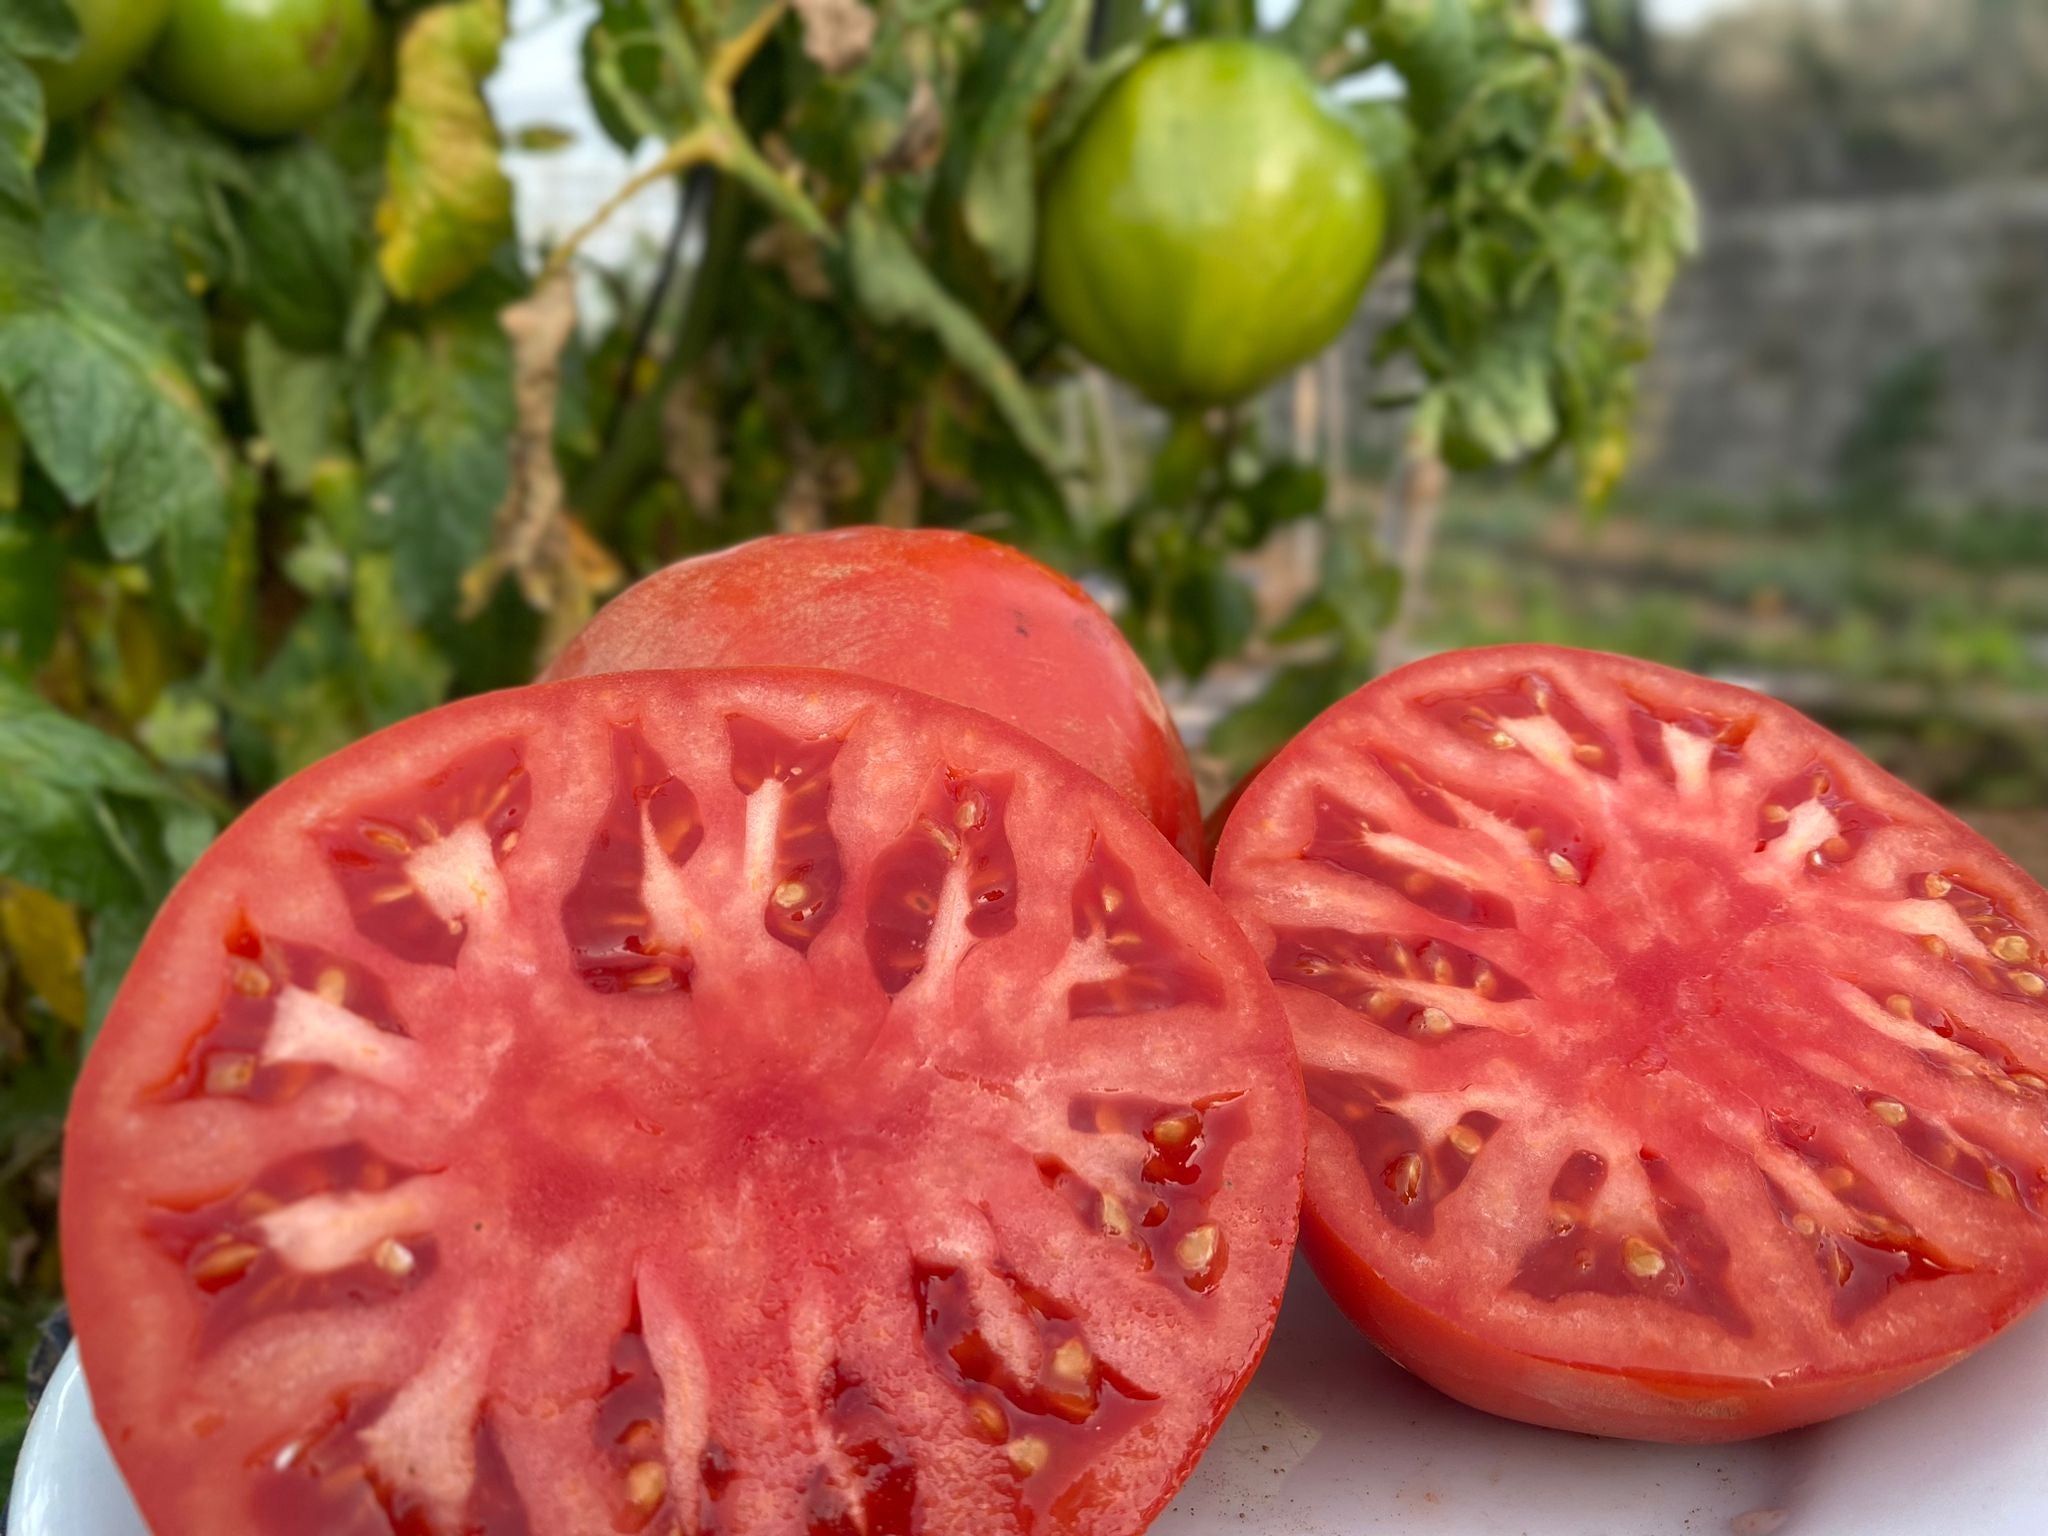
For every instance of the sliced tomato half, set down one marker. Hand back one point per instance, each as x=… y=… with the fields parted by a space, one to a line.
x=716 y=1102
x=946 y=613
x=1674 y=1071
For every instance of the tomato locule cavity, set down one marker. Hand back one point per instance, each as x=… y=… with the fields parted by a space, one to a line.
x=714 y=1102
x=1673 y=1071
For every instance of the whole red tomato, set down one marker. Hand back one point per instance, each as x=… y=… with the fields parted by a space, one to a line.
x=1674 y=1071
x=946 y=613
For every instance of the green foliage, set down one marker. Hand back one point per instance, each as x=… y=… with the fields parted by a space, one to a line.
x=1556 y=220
x=277 y=419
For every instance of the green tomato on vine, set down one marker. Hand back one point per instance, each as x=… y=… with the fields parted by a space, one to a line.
x=1212 y=225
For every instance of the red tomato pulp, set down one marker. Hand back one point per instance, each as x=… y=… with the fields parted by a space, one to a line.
x=717 y=1102
x=946 y=613
x=1674 y=1071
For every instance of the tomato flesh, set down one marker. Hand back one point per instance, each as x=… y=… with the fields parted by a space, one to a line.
x=1674 y=1072
x=718 y=1102
x=946 y=613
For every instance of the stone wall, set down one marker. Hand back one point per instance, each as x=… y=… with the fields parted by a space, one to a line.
x=1916 y=325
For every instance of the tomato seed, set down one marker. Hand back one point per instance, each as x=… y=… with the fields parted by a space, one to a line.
x=1197 y=1250
x=2013 y=947
x=791 y=893
x=331 y=986
x=2029 y=983
x=1838 y=1179
x=1404 y=1177
x=2000 y=1183
x=1937 y=886
x=1641 y=1259
x=1776 y=815
x=1465 y=1139
x=394 y=1258
x=1433 y=1021
x=1028 y=1454
x=1564 y=869
x=223 y=1262
x=1072 y=1361
x=1935 y=945
x=989 y=1420
x=1900 y=1004
x=229 y=1071
x=1890 y=1111
x=646 y=1482
x=1501 y=741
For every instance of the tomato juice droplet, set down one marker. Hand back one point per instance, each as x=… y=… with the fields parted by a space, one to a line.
x=1745 y=1094
x=601 y=1206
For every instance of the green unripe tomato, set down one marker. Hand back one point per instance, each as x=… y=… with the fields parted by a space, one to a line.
x=1212 y=225
x=113 y=37
x=262 y=67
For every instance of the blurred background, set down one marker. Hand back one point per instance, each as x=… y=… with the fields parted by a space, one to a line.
x=300 y=434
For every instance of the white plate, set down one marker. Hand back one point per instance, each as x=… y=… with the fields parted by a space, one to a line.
x=1331 y=1440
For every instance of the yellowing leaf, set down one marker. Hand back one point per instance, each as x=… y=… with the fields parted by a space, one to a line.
x=48 y=947
x=447 y=202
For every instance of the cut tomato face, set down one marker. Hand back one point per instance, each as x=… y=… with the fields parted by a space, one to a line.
x=1674 y=1072
x=710 y=1102
x=949 y=614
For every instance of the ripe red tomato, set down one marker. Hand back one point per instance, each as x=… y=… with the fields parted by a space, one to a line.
x=1674 y=1071
x=946 y=613
x=714 y=1102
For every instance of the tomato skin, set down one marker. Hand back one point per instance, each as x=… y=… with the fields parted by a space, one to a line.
x=950 y=614
x=749 y=1191
x=1798 y=1009
x=1213 y=224
x=114 y=35
x=1675 y=1409
x=262 y=67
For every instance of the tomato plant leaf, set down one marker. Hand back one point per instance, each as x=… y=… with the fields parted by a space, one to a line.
x=620 y=60
x=82 y=816
x=999 y=203
x=39 y=29
x=116 y=935
x=297 y=399
x=134 y=157
x=31 y=594
x=98 y=357
x=448 y=203
x=21 y=130
x=435 y=412
x=304 y=245
x=896 y=288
